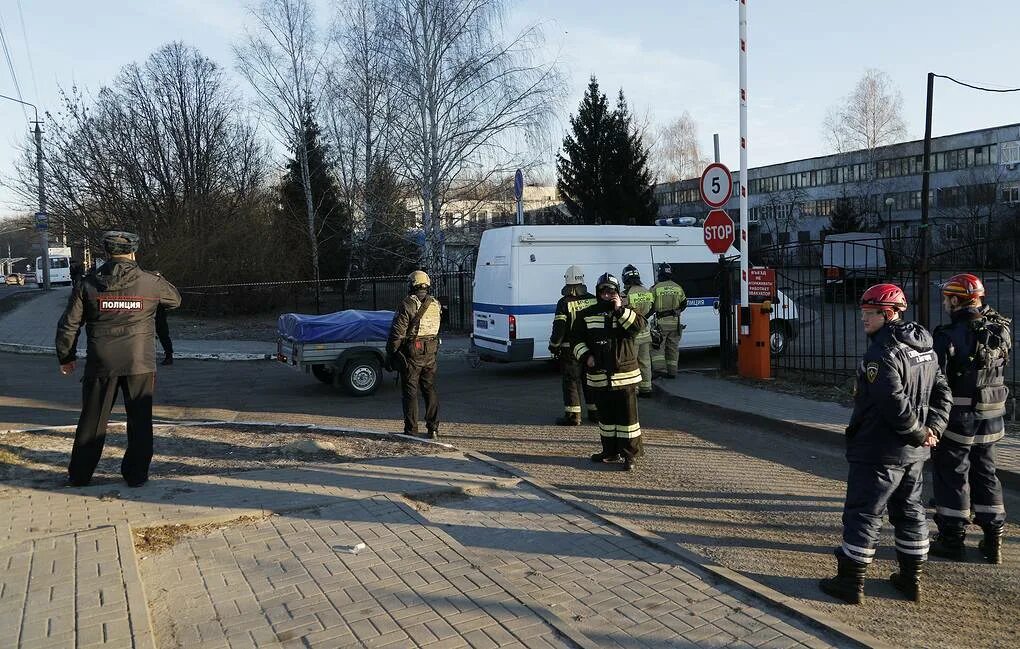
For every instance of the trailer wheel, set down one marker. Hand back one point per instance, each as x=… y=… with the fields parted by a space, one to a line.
x=362 y=376
x=324 y=373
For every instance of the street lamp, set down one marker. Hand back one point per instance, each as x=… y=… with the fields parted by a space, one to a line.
x=889 y=202
x=43 y=233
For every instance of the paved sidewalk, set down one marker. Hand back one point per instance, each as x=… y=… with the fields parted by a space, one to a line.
x=456 y=554
x=796 y=414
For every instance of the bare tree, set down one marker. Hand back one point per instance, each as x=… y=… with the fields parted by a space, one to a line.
x=282 y=61
x=676 y=153
x=161 y=150
x=474 y=104
x=869 y=117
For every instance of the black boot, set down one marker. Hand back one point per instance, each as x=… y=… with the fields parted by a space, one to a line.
x=593 y=416
x=948 y=544
x=908 y=579
x=168 y=360
x=569 y=419
x=609 y=452
x=848 y=584
x=991 y=545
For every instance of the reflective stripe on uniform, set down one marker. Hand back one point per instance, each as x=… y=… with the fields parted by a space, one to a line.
x=998 y=405
x=966 y=440
x=952 y=513
x=627 y=318
x=572 y=409
x=625 y=378
x=580 y=349
x=912 y=547
x=628 y=431
x=561 y=316
x=595 y=322
x=857 y=553
x=989 y=509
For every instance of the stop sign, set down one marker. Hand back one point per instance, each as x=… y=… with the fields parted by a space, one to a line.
x=718 y=231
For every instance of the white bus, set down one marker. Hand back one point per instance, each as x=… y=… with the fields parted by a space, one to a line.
x=60 y=267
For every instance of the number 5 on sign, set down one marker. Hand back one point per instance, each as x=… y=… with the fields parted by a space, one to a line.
x=716 y=185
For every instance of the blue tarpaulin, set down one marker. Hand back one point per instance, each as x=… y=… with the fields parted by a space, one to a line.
x=349 y=326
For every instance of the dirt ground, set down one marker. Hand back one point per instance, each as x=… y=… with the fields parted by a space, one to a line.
x=188 y=327
x=36 y=458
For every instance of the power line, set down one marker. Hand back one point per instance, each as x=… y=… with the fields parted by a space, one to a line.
x=10 y=66
x=970 y=85
x=28 y=51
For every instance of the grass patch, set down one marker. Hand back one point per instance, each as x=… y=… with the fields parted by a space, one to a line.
x=159 y=538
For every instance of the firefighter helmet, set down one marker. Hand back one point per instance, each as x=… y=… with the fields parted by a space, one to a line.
x=965 y=286
x=608 y=279
x=887 y=297
x=574 y=275
x=419 y=279
x=665 y=272
x=631 y=275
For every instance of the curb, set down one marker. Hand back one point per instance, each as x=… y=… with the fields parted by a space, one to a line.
x=794 y=607
x=18 y=348
x=1008 y=477
x=142 y=634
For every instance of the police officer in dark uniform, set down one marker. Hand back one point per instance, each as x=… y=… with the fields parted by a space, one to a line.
x=117 y=304
x=575 y=298
x=901 y=405
x=414 y=339
x=604 y=343
x=973 y=351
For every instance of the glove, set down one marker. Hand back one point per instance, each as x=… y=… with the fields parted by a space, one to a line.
x=917 y=436
x=555 y=351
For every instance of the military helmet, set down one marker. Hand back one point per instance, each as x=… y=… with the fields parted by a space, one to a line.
x=631 y=275
x=117 y=242
x=965 y=286
x=419 y=279
x=608 y=279
x=574 y=275
x=887 y=297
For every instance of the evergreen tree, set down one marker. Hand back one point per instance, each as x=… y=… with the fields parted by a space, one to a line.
x=333 y=222
x=844 y=218
x=388 y=248
x=602 y=170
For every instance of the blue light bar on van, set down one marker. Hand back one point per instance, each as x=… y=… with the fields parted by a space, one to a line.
x=681 y=221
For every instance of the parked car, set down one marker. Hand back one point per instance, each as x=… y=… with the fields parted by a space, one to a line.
x=14 y=279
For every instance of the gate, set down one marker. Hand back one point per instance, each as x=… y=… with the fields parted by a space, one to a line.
x=829 y=340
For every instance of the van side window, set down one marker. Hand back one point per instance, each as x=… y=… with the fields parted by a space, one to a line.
x=697 y=280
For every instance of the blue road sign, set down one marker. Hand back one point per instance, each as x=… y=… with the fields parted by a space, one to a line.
x=42 y=221
x=519 y=185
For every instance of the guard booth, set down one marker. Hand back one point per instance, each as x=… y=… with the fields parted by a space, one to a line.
x=753 y=340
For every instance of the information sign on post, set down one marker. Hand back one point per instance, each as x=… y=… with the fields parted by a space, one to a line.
x=719 y=231
x=716 y=185
x=42 y=221
x=761 y=284
x=519 y=195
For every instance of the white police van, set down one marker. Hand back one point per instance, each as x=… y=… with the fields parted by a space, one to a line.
x=519 y=276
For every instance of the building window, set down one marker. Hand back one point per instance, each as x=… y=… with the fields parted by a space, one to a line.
x=1010 y=153
x=766 y=238
x=784 y=238
x=952 y=231
x=803 y=236
x=896 y=231
x=1011 y=193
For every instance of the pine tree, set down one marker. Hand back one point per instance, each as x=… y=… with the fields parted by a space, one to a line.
x=844 y=218
x=333 y=222
x=602 y=171
x=388 y=249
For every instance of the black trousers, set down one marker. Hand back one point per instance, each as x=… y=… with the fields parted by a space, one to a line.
x=966 y=485
x=419 y=377
x=873 y=489
x=574 y=387
x=163 y=332
x=618 y=421
x=98 y=394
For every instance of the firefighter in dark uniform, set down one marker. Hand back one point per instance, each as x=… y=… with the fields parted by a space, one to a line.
x=669 y=302
x=641 y=300
x=973 y=351
x=414 y=338
x=604 y=343
x=575 y=298
x=117 y=304
x=901 y=406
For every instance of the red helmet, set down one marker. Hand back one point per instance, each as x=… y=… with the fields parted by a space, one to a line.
x=964 y=286
x=888 y=297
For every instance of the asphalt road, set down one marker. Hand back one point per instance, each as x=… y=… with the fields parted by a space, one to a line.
x=756 y=501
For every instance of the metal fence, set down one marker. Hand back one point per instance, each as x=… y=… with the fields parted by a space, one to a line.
x=830 y=339
x=452 y=289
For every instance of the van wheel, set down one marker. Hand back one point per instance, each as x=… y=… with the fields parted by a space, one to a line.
x=779 y=337
x=361 y=376
x=324 y=373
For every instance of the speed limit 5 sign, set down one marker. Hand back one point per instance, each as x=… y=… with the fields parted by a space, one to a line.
x=716 y=185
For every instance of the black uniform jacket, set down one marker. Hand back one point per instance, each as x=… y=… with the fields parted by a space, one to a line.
x=117 y=304
x=575 y=298
x=900 y=391
x=608 y=338
x=422 y=344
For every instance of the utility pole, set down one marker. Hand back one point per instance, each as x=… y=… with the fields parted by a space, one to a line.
x=44 y=237
x=923 y=316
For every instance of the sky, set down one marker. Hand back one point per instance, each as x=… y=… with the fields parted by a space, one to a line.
x=667 y=56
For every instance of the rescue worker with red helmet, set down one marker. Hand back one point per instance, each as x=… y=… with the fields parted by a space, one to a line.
x=901 y=405
x=604 y=343
x=973 y=351
x=575 y=298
